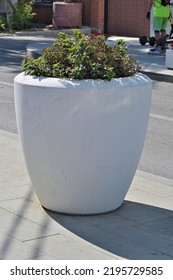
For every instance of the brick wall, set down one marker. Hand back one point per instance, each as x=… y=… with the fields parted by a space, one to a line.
x=125 y=17
x=85 y=11
x=43 y=14
x=128 y=18
x=97 y=14
x=67 y=15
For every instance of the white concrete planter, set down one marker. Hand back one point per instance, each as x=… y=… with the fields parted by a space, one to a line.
x=82 y=140
x=169 y=59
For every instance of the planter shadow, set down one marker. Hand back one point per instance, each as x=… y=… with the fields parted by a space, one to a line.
x=134 y=231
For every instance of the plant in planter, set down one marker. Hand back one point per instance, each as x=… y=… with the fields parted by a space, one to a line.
x=82 y=110
x=83 y=57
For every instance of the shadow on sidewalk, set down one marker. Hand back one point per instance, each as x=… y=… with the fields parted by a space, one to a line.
x=134 y=231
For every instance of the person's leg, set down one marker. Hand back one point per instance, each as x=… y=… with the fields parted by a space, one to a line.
x=163 y=31
x=157 y=24
x=157 y=49
x=157 y=37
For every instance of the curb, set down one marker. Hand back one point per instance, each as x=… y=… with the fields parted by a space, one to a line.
x=159 y=77
x=34 y=50
x=52 y=33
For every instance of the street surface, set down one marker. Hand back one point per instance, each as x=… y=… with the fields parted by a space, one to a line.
x=12 y=51
x=157 y=156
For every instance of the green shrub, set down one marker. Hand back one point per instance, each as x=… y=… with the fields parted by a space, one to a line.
x=83 y=57
x=22 y=15
x=2 y=24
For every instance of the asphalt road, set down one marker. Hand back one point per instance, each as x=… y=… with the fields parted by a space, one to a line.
x=157 y=156
x=12 y=51
x=11 y=54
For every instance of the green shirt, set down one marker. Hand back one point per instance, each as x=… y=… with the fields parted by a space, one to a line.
x=159 y=10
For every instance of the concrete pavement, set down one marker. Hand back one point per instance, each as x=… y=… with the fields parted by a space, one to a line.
x=142 y=228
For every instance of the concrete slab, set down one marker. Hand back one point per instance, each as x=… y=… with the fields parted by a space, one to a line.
x=33 y=212
x=65 y=248
x=13 y=249
x=23 y=229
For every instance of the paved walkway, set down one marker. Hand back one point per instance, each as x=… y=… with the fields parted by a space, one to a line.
x=142 y=228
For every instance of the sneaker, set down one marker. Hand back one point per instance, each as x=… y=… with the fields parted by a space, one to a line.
x=157 y=50
x=165 y=46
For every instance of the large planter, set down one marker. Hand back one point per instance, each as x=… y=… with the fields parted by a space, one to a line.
x=82 y=140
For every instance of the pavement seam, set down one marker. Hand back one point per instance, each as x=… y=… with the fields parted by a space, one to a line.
x=153 y=177
x=8 y=134
x=41 y=237
x=161 y=117
x=6 y=84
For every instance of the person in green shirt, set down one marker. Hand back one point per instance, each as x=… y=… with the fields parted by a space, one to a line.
x=160 y=19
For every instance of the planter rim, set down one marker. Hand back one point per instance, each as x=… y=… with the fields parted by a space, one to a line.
x=131 y=81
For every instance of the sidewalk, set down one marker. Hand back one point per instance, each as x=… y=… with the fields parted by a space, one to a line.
x=142 y=228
